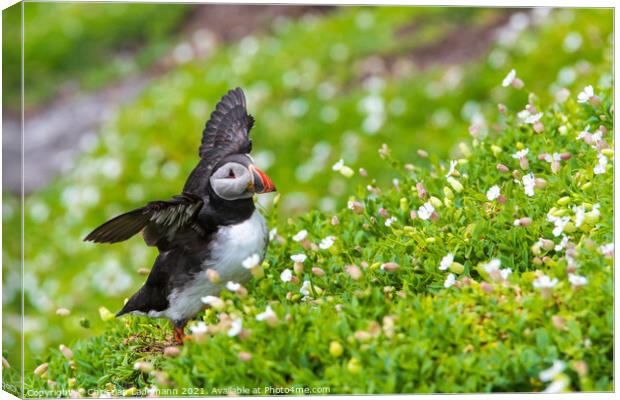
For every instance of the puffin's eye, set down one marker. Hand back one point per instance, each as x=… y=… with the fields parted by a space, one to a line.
x=231 y=174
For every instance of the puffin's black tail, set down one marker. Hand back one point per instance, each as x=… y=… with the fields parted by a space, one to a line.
x=144 y=300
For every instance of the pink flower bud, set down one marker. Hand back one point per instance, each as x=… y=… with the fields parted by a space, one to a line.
x=501 y=108
x=517 y=83
x=543 y=156
x=501 y=199
x=363 y=173
x=502 y=168
x=421 y=190
x=538 y=127
x=523 y=163
x=486 y=287
x=298 y=267
x=540 y=183
x=555 y=166
x=516 y=174
x=383 y=212
x=537 y=261
x=413 y=214
x=244 y=356
x=565 y=156
x=390 y=266
x=422 y=153
x=354 y=272
x=318 y=271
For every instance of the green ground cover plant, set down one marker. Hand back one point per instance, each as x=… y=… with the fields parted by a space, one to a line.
x=414 y=287
x=399 y=326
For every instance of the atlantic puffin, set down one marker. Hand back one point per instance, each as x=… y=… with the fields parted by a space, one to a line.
x=212 y=224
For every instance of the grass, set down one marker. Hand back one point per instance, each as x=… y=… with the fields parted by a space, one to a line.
x=313 y=107
x=376 y=329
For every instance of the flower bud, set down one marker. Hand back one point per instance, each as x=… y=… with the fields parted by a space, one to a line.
x=390 y=266
x=502 y=168
x=540 y=183
x=435 y=202
x=41 y=369
x=456 y=185
x=421 y=190
x=66 y=351
x=171 y=351
x=63 y=312
x=335 y=349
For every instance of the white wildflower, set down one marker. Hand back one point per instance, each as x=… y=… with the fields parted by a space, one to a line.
x=529 y=182
x=560 y=246
x=520 y=154
x=450 y=280
x=580 y=215
x=533 y=118
x=426 y=210
x=251 y=262
x=544 y=282
x=492 y=266
x=199 y=329
x=600 y=168
x=326 y=243
x=607 y=250
x=446 y=261
x=577 y=280
x=233 y=286
x=286 y=275
x=586 y=94
x=493 y=193
x=452 y=169
x=301 y=235
x=559 y=222
x=267 y=314
x=505 y=273
x=236 y=327
x=390 y=221
x=338 y=166
x=509 y=78
x=299 y=257
x=305 y=288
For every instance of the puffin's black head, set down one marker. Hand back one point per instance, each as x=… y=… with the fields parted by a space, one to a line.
x=236 y=177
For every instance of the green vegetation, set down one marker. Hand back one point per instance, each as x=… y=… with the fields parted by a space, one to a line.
x=377 y=317
x=85 y=44
x=316 y=103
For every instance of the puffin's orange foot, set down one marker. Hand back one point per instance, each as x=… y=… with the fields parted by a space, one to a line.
x=178 y=335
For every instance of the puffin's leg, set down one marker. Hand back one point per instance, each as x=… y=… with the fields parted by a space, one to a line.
x=179 y=331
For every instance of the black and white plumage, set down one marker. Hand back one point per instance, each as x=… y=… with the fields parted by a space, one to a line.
x=213 y=224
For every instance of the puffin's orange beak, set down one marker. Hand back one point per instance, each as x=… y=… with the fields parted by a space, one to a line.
x=261 y=182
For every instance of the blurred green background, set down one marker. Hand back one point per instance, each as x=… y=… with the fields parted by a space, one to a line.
x=323 y=84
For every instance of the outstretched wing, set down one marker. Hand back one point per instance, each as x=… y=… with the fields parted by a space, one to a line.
x=161 y=218
x=227 y=130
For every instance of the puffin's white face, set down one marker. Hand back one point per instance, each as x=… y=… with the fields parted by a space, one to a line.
x=233 y=181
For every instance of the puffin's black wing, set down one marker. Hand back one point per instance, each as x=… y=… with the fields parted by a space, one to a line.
x=161 y=218
x=225 y=133
x=227 y=130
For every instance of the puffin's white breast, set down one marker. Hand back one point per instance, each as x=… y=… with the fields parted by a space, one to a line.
x=230 y=247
